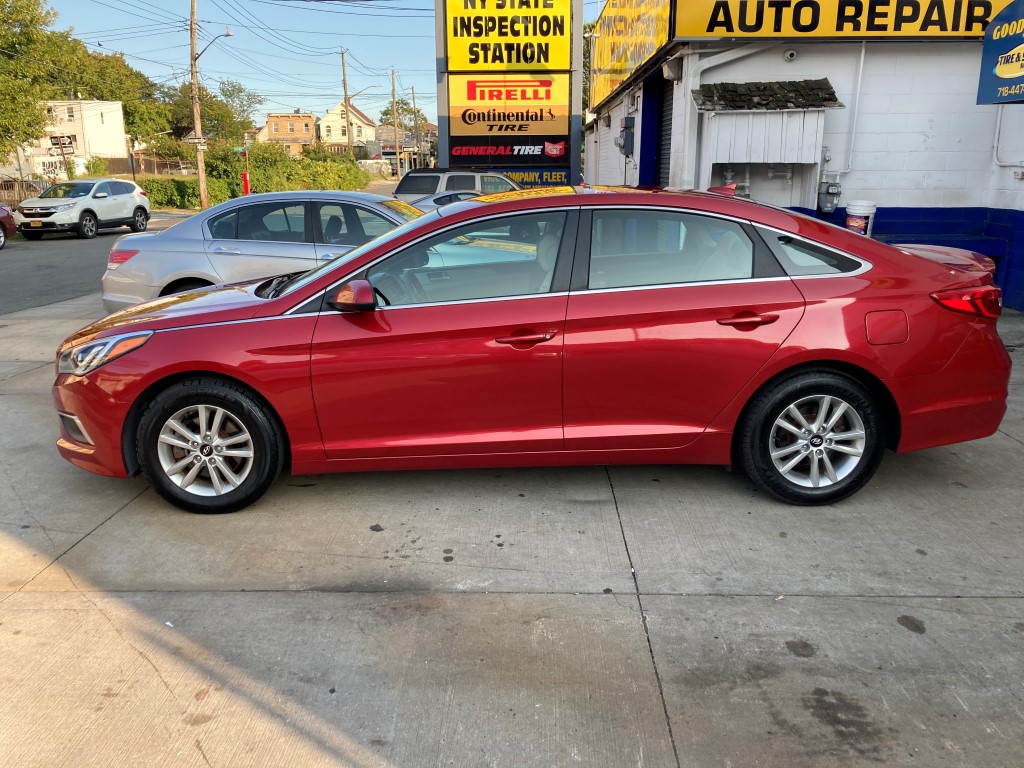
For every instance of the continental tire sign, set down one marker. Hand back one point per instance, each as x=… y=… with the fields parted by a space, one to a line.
x=834 y=18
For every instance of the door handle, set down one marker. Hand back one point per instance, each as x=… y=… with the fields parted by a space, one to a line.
x=529 y=338
x=226 y=249
x=748 y=318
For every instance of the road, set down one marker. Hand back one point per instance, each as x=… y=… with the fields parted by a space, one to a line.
x=57 y=268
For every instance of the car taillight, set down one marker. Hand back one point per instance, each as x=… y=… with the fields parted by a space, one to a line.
x=119 y=257
x=986 y=301
x=144 y=193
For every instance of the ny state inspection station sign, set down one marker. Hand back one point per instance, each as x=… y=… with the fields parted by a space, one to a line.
x=508 y=75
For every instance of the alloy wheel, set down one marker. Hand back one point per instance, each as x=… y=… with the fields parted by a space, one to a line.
x=205 y=450
x=817 y=441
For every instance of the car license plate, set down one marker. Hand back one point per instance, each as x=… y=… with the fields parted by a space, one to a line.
x=35 y=223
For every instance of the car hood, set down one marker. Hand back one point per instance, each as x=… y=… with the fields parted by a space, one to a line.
x=218 y=304
x=38 y=202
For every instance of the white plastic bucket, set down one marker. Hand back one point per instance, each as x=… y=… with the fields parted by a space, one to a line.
x=860 y=216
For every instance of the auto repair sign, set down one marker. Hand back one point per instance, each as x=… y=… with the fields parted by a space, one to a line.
x=1002 y=58
x=697 y=19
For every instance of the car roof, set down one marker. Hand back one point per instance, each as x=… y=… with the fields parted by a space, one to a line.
x=308 y=194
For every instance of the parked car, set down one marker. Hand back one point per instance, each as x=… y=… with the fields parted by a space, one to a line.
x=84 y=206
x=246 y=238
x=430 y=202
x=7 y=225
x=421 y=182
x=664 y=328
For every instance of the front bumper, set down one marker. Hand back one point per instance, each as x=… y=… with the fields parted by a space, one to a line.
x=97 y=447
x=56 y=222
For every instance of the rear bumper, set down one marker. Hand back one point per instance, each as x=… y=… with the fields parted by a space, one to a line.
x=121 y=292
x=966 y=400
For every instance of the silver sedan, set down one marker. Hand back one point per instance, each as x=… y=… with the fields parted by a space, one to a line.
x=245 y=239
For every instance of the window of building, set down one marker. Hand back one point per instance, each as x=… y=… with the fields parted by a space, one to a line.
x=305 y=127
x=275 y=128
x=291 y=127
x=359 y=131
x=344 y=131
x=327 y=131
x=49 y=114
x=71 y=113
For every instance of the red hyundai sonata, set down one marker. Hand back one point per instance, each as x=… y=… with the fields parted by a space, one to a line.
x=558 y=328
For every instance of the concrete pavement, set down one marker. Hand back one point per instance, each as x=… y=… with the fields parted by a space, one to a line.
x=652 y=616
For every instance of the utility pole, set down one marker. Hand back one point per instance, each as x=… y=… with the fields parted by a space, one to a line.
x=394 y=119
x=348 y=107
x=197 y=123
x=416 y=117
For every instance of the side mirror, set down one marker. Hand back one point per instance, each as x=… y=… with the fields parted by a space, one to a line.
x=99 y=195
x=353 y=296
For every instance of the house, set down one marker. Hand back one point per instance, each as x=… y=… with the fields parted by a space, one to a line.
x=76 y=131
x=333 y=129
x=293 y=130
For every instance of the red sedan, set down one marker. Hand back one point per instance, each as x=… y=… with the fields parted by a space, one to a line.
x=555 y=328
x=7 y=225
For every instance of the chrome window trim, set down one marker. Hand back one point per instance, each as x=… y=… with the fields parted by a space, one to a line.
x=418 y=240
x=702 y=283
x=865 y=265
x=391 y=307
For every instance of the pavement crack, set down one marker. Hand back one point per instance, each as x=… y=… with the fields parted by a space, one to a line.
x=1012 y=437
x=643 y=620
x=199 y=746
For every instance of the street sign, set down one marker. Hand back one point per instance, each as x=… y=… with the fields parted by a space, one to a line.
x=194 y=140
x=60 y=141
x=238 y=150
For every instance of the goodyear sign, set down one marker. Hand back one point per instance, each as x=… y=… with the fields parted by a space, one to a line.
x=1002 y=57
x=529 y=103
x=509 y=35
x=834 y=18
x=629 y=33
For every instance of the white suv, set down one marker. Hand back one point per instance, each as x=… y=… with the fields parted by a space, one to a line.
x=420 y=182
x=83 y=206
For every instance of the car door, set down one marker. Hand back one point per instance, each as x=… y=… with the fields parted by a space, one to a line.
x=673 y=314
x=455 y=360
x=260 y=240
x=104 y=202
x=340 y=227
x=124 y=194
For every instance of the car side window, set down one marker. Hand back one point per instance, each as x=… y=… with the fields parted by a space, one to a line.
x=276 y=222
x=223 y=227
x=460 y=181
x=511 y=256
x=100 y=188
x=800 y=258
x=490 y=184
x=122 y=188
x=635 y=248
x=348 y=224
x=418 y=184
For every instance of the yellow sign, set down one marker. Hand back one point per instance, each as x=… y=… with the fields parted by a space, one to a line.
x=629 y=32
x=834 y=18
x=509 y=35
x=521 y=104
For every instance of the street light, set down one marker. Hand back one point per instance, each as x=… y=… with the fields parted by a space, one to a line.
x=197 y=123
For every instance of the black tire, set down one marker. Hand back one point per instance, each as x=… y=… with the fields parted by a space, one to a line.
x=790 y=405
x=3 y=238
x=246 y=425
x=140 y=220
x=32 y=235
x=188 y=285
x=88 y=226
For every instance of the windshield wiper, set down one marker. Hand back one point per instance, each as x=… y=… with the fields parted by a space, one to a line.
x=277 y=285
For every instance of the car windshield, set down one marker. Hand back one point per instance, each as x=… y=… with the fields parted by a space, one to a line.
x=68 y=190
x=308 y=277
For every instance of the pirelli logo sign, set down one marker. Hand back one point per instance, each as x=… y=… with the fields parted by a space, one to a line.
x=523 y=104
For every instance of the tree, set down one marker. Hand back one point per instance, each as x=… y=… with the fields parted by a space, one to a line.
x=407 y=119
x=25 y=71
x=220 y=115
x=588 y=42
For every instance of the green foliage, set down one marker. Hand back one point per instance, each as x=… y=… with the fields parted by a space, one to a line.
x=182 y=191
x=24 y=71
x=96 y=166
x=407 y=119
x=219 y=116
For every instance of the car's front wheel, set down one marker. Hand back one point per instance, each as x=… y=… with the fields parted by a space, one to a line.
x=814 y=438
x=88 y=226
x=208 y=445
x=139 y=220
x=3 y=238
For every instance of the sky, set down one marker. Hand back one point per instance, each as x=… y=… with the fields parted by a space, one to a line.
x=285 y=50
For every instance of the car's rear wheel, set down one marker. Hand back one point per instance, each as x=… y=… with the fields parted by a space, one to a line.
x=183 y=286
x=139 y=220
x=88 y=226
x=208 y=445
x=814 y=438
x=3 y=238
x=32 y=235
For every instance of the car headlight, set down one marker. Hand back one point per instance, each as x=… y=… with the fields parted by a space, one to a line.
x=84 y=358
x=64 y=207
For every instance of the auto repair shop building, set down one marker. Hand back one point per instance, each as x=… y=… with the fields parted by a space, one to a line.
x=875 y=98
